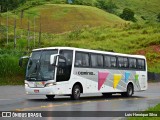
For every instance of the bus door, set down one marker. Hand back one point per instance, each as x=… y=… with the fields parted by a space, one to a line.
x=64 y=69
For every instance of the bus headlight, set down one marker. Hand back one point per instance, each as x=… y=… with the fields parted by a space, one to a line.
x=26 y=85
x=49 y=84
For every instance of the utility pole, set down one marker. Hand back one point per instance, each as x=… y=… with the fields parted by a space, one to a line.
x=39 y=43
x=0 y=15
x=28 y=40
x=15 y=31
x=34 y=31
x=0 y=21
x=7 y=26
x=22 y=12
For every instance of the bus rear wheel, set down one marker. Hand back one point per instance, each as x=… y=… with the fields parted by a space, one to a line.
x=130 y=91
x=76 y=91
x=50 y=97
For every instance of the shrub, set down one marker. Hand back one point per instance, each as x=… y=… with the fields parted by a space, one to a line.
x=10 y=4
x=158 y=17
x=128 y=14
x=84 y=2
x=107 y=5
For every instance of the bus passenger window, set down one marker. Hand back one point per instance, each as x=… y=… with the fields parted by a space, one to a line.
x=96 y=60
x=125 y=62
x=113 y=62
x=82 y=59
x=85 y=59
x=132 y=63
x=107 y=61
x=120 y=62
x=141 y=64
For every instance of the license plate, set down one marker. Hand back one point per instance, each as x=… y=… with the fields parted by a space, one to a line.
x=36 y=91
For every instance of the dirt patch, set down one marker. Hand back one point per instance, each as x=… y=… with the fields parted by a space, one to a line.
x=152 y=49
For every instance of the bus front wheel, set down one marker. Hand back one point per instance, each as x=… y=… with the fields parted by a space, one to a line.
x=76 y=91
x=50 y=97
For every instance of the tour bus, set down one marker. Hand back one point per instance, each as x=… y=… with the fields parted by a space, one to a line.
x=73 y=71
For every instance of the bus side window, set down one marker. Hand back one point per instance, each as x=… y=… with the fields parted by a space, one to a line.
x=78 y=61
x=85 y=59
x=120 y=62
x=100 y=60
x=107 y=61
x=141 y=64
x=96 y=60
x=132 y=63
x=125 y=60
x=113 y=62
x=82 y=59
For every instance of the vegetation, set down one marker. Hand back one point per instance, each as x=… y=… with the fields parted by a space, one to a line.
x=107 y=5
x=62 y=18
x=144 y=10
x=128 y=14
x=149 y=110
x=78 y=26
x=158 y=17
x=10 y=4
x=84 y=2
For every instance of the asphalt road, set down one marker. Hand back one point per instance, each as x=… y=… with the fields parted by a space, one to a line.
x=13 y=98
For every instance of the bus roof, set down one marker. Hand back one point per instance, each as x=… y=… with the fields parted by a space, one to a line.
x=92 y=51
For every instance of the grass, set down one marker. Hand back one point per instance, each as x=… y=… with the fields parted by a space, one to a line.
x=150 y=110
x=10 y=72
x=148 y=9
x=57 y=18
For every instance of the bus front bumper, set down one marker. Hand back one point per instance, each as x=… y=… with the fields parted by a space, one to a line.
x=40 y=91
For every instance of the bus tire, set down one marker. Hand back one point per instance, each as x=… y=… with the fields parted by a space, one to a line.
x=50 y=97
x=130 y=91
x=107 y=94
x=76 y=91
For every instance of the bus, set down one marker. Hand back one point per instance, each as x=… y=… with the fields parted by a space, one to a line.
x=72 y=71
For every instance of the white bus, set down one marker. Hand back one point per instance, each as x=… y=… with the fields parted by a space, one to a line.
x=73 y=71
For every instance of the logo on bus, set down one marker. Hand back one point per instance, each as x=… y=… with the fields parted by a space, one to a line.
x=85 y=73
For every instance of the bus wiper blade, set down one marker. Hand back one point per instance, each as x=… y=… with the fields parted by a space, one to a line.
x=31 y=78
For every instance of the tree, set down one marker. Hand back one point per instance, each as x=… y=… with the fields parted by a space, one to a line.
x=158 y=17
x=107 y=5
x=10 y=4
x=84 y=2
x=128 y=14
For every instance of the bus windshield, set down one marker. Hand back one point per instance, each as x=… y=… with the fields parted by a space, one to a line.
x=39 y=68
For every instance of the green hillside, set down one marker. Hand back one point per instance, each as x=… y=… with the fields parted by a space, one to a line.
x=147 y=9
x=79 y=26
x=57 y=18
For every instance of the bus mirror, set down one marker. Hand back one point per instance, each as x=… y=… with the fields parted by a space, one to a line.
x=21 y=60
x=53 y=59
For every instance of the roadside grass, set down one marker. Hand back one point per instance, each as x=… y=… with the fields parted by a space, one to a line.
x=156 y=109
x=12 y=80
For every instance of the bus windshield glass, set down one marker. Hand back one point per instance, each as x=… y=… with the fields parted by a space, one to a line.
x=39 y=68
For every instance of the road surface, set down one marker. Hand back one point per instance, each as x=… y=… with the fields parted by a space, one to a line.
x=13 y=98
